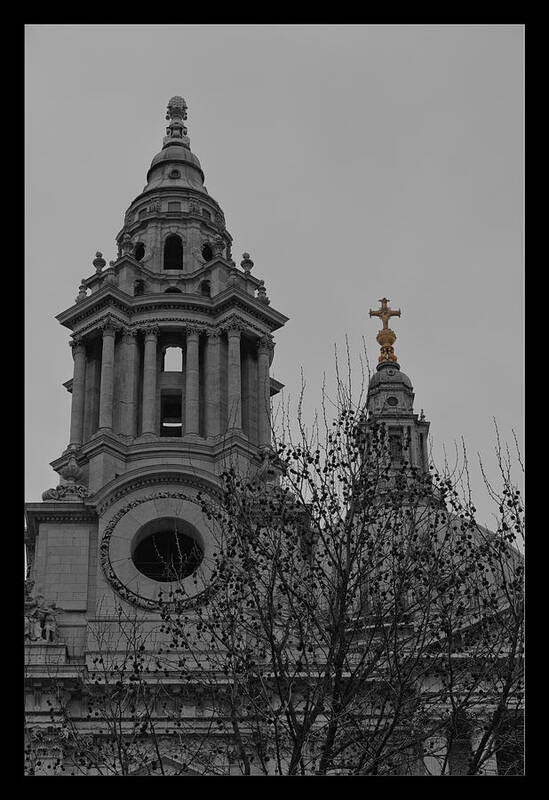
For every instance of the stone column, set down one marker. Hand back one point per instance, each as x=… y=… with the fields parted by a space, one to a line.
x=212 y=383
x=264 y=350
x=192 y=382
x=234 y=387
x=128 y=397
x=107 y=377
x=78 y=391
x=149 y=381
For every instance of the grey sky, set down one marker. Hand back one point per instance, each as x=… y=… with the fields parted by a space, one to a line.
x=352 y=162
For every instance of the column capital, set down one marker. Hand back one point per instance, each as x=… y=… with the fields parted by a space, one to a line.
x=150 y=331
x=213 y=333
x=234 y=328
x=109 y=326
x=129 y=334
x=76 y=342
x=193 y=331
x=265 y=344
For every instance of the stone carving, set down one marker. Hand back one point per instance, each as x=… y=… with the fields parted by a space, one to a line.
x=218 y=246
x=71 y=472
x=99 y=262
x=40 y=617
x=267 y=468
x=124 y=591
x=246 y=263
x=81 y=292
x=151 y=331
x=49 y=622
x=177 y=108
x=126 y=245
x=262 y=294
x=67 y=491
x=76 y=342
x=109 y=326
x=265 y=344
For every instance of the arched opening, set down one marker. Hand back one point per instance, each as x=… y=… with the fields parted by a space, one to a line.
x=173 y=360
x=139 y=251
x=138 y=288
x=205 y=289
x=172 y=290
x=207 y=252
x=173 y=252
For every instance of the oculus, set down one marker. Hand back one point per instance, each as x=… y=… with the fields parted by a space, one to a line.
x=167 y=550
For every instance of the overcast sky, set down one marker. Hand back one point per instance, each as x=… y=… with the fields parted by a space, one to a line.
x=352 y=162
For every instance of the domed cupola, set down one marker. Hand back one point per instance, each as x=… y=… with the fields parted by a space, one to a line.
x=174 y=212
x=175 y=164
x=390 y=398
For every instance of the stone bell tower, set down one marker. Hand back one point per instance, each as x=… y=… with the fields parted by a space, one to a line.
x=172 y=346
x=390 y=401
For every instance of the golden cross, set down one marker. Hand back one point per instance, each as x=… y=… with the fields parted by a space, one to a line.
x=384 y=312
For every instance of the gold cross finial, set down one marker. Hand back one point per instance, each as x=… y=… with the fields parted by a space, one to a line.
x=386 y=337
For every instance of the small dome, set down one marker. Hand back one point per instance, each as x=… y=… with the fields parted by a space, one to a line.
x=175 y=152
x=389 y=374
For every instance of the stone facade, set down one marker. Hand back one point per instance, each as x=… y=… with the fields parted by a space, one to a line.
x=148 y=440
x=144 y=439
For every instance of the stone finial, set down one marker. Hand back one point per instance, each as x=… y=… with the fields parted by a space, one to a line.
x=99 y=262
x=81 y=292
x=177 y=108
x=262 y=294
x=176 y=114
x=246 y=263
x=386 y=337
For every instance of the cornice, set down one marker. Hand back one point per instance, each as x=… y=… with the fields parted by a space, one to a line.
x=154 y=476
x=56 y=511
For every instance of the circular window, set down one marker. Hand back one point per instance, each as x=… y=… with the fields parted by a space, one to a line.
x=392 y=401
x=167 y=549
x=174 y=173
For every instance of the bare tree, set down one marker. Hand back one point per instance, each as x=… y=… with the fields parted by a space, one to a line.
x=355 y=619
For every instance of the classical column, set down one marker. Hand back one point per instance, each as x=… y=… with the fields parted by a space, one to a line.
x=149 y=381
x=192 y=382
x=264 y=350
x=107 y=377
x=212 y=382
x=128 y=383
x=78 y=391
x=234 y=388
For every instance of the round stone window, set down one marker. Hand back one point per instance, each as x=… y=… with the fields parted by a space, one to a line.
x=167 y=549
x=392 y=401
